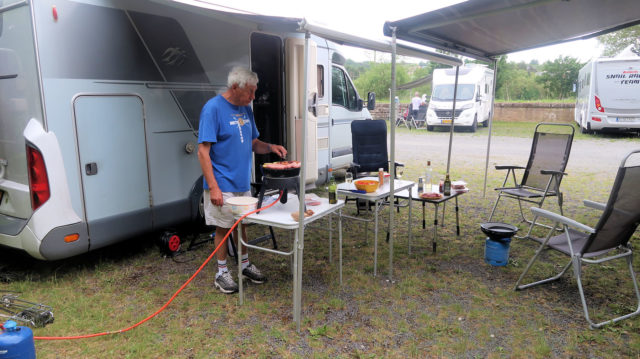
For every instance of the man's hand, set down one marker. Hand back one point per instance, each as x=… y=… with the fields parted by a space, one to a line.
x=279 y=150
x=216 y=197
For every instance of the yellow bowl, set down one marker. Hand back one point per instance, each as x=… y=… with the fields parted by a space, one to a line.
x=366 y=185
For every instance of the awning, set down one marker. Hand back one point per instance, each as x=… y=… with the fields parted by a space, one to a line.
x=485 y=29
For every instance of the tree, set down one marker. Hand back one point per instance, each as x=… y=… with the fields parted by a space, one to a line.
x=559 y=75
x=378 y=79
x=616 y=41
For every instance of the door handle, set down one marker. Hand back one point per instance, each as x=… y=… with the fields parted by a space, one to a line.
x=91 y=168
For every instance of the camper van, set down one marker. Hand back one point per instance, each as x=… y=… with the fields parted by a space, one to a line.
x=100 y=103
x=608 y=95
x=473 y=98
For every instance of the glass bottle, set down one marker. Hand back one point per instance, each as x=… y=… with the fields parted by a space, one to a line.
x=333 y=188
x=447 y=185
x=428 y=178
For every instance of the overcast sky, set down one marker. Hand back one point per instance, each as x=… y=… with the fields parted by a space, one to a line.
x=366 y=18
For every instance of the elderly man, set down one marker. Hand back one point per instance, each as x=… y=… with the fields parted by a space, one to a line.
x=227 y=136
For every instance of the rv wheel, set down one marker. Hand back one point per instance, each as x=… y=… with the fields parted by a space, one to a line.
x=474 y=127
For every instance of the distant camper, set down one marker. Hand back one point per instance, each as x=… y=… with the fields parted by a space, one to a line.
x=474 y=97
x=608 y=96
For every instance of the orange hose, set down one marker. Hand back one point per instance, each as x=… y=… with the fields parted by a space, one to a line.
x=224 y=240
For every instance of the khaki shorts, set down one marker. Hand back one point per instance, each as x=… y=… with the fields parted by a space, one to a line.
x=220 y=216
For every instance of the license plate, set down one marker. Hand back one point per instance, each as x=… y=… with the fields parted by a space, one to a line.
x=626 y=119
x=446 y=121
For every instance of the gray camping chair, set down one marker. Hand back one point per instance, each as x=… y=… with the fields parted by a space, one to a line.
x=542 y=176
x=618 y=222
x=421 y=120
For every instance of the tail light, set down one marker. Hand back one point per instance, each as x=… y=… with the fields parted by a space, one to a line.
x=599 y=104
x=38 y=179
x=597 y=119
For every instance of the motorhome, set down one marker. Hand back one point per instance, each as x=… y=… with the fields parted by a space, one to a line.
x=608 y=95
x=100 y=103
x=474 y=97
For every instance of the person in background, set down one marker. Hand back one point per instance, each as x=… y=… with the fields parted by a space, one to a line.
x=226 y=138
x=415 y=104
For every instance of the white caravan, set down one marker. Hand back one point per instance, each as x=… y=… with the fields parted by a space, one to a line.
x=608 y=97
x=99 y=110
x=473 y=98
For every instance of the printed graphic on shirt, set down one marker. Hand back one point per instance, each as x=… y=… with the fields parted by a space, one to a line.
x=240 y=119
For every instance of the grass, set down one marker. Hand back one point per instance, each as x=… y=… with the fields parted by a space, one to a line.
x=444 y=304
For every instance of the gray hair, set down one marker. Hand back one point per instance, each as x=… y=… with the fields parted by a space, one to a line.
x=242 y=76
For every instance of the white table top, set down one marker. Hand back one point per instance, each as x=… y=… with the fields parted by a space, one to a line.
x=381 y=192
x=280 y=214
x=434 y=188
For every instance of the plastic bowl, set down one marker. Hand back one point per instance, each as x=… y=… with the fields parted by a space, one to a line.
x=366 y=185
x=242 y=205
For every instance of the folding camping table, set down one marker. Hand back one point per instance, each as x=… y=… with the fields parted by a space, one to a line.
x=378 y=197
x=280 y=216
x=436 y=202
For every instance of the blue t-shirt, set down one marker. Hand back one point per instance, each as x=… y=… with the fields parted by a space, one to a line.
x=231 y=130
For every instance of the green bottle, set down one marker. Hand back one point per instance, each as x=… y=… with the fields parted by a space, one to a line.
x=333 y=188
x=447 y=185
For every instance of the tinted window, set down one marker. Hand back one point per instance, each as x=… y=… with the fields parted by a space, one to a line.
x=342 y=91
x=445 y=92
x=338 y=88
x=320 y=81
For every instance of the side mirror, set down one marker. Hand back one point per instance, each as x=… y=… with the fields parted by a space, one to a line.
x=574 y=88
x=371 y=101
x=359 y=105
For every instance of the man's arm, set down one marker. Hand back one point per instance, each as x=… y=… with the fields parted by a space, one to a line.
x=207 y=171
x=262 y=148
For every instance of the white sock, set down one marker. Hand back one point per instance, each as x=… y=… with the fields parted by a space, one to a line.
x=222 y=267
x=245 y=260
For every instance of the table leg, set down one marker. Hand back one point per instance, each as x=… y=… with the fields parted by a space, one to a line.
x=409 y=223
x=435 y=227
x=457 y=219
x=299 y=253
x=375 y=240
x=444 y=209
x=295 y=276
x=340 y=241
x=424 y=223
x=330 y=237
x=239 y=258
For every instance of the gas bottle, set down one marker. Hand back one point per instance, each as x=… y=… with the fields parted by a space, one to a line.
x=16 y=342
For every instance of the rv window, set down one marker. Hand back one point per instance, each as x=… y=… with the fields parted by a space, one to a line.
x=342 y=91
x=320 y=81
x=338 y=88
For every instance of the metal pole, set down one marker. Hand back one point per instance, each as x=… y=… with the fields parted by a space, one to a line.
x=392 y=167
x=300 y=239
x=453 y=117
x=493 y=98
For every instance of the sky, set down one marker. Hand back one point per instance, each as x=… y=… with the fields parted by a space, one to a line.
x=366 y=18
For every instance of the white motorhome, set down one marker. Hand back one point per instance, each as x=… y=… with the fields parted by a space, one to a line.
x=473 y=98
x=99 y=111
x=608 y=95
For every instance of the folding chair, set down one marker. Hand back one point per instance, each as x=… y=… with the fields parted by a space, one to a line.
x=545 y=169
x=404 y=120
x=618 y=222
x=369 y=143
x=421 y=120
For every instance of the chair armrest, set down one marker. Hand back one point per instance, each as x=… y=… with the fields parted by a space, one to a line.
x=539 y=212
x=507 y=167
x=596 y=205
x=551 y=172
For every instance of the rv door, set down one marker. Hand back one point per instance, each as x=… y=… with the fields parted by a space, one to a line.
x=295 y=90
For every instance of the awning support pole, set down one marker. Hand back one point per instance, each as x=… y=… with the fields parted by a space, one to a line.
x=493 y=99
x=453 y=118
x=392 y=167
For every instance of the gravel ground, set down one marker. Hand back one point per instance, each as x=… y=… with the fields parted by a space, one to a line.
x=601 y=155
